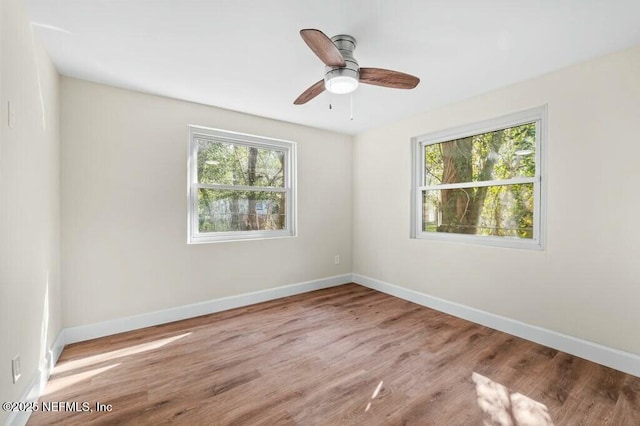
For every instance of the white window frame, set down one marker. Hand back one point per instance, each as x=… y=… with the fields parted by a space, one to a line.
x=194 y=236
x=535 y=115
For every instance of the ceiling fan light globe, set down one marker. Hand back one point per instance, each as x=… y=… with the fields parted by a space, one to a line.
x=341 y=85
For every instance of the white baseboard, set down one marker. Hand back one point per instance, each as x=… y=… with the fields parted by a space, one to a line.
x=37 y=383
x=120 y=325
x=614 y=358
x=56 y=349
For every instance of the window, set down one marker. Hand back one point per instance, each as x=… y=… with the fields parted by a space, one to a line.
x=240 y=186
x=482 y=183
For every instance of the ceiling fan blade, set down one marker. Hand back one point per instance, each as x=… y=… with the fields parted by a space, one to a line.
x=310 y=93
x=323 y=47
x=388 y=78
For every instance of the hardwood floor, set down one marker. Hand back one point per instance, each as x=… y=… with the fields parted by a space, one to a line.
x=345 y=355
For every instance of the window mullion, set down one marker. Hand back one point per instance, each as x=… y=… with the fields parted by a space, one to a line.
x=240 y=188
x=498 y=182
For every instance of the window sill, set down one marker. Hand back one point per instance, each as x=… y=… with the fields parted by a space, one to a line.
x=481 y=240
x=226 y=237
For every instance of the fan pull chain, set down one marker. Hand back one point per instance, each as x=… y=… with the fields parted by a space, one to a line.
x=330 y=95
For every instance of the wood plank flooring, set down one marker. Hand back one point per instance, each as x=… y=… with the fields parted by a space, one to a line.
x=346 y=355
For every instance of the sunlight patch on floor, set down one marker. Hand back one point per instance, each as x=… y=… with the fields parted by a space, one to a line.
x=56 y=385
x=374 y=395
x=107 y=356
x=508 y=409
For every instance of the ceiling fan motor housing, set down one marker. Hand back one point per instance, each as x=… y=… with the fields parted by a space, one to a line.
x=343 y=79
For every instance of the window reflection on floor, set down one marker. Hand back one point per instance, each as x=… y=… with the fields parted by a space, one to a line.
x=504 y=408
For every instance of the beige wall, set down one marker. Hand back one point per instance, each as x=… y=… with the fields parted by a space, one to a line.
x=587 y=282
x=124 y=207
x=30 y=317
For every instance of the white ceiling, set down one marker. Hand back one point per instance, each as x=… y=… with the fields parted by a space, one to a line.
x=248 y=56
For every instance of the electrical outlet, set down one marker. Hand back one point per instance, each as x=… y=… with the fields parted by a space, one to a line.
x=15 y=368
x=337 y=259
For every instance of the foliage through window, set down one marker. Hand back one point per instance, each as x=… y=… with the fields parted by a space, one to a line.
x=240 y=186
x=481 y=183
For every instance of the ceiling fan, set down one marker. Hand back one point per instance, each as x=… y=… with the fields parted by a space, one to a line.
x=342 y=72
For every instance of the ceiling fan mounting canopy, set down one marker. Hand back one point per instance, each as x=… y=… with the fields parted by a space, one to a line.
x=342 y=72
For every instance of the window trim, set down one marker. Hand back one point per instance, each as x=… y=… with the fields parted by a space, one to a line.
x=537 y=115
x=194 y=236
